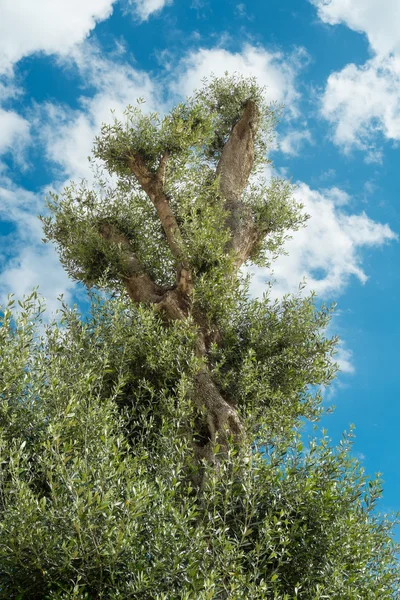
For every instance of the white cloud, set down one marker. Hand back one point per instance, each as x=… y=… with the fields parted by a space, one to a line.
x=14 y=132
x=144 y=8
x=328 y=251
x=8 y=90
x=378 y=19
x=274 y=70
x=361 y=102
x=337 y=196
x=14 y=129
x=49 y=26
x=26 y=261
x=36 y=266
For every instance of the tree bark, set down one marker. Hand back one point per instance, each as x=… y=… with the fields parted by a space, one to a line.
x=234 y=169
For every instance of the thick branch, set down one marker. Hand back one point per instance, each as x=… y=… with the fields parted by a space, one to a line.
x=153 y=185
x=139 y=285
x=222 y=419
x=234 y=169
x=162 y=167
x=172 y=302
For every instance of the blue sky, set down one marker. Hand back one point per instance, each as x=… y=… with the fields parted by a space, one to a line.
x=335 y=65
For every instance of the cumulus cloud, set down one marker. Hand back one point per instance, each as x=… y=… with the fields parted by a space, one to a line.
x=274 y=70
x=49 y=26
x=144 y=8
x=25 y=261
x=328 y=251
x=378 y=19
x=362 y=102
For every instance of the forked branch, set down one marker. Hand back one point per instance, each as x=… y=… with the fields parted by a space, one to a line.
x=173 y=302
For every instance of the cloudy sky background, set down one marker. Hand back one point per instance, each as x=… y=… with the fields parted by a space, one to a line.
x=335 y=65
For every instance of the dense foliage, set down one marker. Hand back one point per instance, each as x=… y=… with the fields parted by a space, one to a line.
x=103 y=492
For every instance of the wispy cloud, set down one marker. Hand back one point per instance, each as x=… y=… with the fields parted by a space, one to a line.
x=14 y=132
x=144 y=8
x=294 y=140
x=344 y=358
x=26 y=261
x=68 y=134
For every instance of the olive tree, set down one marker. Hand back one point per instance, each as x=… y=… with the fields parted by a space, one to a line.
x=151 y=448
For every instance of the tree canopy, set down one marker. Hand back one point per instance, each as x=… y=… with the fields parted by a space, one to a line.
x=151 y=449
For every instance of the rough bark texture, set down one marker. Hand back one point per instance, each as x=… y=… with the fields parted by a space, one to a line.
x=221 y=420
x=234 y=169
